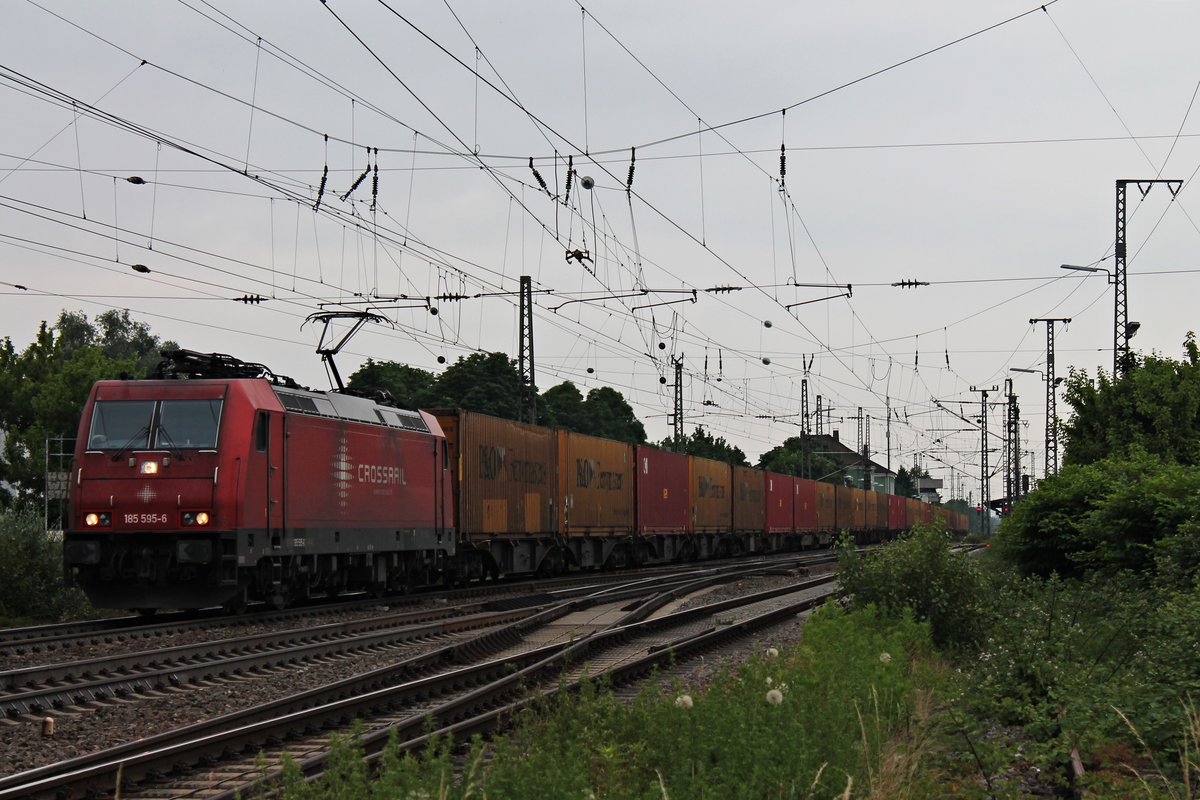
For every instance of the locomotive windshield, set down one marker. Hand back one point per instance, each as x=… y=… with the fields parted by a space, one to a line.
x=160 y=424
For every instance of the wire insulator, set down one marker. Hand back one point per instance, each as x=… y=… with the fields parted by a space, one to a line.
x=375 y=181
x=357 y=181
x=632 y=164
x=538 y=175
x=570 y=172
x=321 y=187
x=782 y=163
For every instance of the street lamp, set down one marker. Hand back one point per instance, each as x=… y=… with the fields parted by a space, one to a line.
x=1051 y=419
x=1111 y=278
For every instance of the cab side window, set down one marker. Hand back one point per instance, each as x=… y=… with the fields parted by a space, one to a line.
x=262 y=432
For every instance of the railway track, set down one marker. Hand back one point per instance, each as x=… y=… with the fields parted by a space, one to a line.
x=41 y=640
x=463 y=685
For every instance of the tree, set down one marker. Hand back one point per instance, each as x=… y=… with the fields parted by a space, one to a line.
x=704 y=444
x=410 y=387
x=1153 y=407
x=796 y=456
x=562 y=406
x=607 y=414
x=1125 y=497
x=43 y=387
x=489 y=383
x=906 y=480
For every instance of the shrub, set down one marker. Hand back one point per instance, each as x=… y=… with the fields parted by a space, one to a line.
x=31 y=585
x=921 y=572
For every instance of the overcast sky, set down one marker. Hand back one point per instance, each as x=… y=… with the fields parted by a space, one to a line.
x=974 y=146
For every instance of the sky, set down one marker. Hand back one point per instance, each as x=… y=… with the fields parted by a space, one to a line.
x=970 y=147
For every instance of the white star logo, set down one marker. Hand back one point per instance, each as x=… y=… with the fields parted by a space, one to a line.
x=146 y=494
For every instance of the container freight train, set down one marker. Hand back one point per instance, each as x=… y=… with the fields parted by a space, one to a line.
x=234 y=485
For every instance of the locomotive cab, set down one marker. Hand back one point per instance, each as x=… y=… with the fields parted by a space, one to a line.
x=148 y=526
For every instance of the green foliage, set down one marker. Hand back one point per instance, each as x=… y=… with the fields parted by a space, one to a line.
x=31 y=585
x=704 y=444
x=409 y=386
x=43 y=388
x=842 y=696
x=1153 y=407
x=489 y=383
x=1133 y=513
x=796 y=456
x=920 y=572
x=607 y=414
x=906 y=480
x=1061 y=657
x=561 y=406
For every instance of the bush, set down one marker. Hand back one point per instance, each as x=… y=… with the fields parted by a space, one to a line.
x=31 y=584
x=921 y=572
x=1107 y=515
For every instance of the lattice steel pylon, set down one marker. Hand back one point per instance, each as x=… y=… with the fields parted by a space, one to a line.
x=1051 y=395
x=678 y=421
x=1121 y=332
x=1012 y=447
x=525 y=357
x=985 y=489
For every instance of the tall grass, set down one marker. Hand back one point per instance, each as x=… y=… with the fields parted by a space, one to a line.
x=841 y=715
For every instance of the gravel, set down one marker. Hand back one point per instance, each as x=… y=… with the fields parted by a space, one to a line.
x=24 y=746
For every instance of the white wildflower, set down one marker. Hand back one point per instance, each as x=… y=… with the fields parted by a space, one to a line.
x=774 y=697
x=770 y=680
x=772 y=652
x=684 y=701
x=885 y=657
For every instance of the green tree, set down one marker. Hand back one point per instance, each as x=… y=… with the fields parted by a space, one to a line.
x=704 y=444
x=562 y=406
x=410 y=387
x=796 y=456
x=489 y=383
x=607 y=414
x=43 y=387
x=1153 y=407
x=906 y=480
x=1113 y=514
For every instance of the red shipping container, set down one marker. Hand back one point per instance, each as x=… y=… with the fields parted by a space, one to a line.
x=780 y=502
x=749 y=503
x=662 y=490
x=805 y=504
x=897 y=513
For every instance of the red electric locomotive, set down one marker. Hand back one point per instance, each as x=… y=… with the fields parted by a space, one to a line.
x=218 y=490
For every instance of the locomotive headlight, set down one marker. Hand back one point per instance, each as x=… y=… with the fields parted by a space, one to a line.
x=149 y=468
x=94 y=520
x=195 y=518
x=202 y=518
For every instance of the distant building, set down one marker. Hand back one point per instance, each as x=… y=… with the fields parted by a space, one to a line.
x=851 y=461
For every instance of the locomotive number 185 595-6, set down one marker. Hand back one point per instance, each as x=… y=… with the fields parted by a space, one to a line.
x=145 y=519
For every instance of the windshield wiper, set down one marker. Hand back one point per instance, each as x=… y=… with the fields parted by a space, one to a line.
x=145 y=429
x=165 y=436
